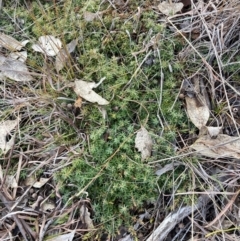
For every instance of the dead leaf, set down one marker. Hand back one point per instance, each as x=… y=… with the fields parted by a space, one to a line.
x=84 y=89
x=212 y=131
x=31 y=181
x=197 y=112
x=10 y=180
x=169 y=9
x=85 y=217
x=63 y=54
x=41 y=182
x=48 y=206
x=143 y=143
x=5 y=129
x=223 y=146
x=166 y=168
x=63 y=237
x=21 y=56
x=2 y=59
x=11 y=43
x=78 y=102
x=15 y=70
x=48 y=45
x=89 y=17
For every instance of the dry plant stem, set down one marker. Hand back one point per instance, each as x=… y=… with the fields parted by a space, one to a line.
x=44 y=227
x=230 y=203
x=190 y=44
x=195 y=152
x=8 y=165
x=17 y=176
x=136 y=71
x=20 y=223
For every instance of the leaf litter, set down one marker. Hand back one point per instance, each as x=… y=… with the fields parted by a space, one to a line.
x=48 y=45
x=144 y=143
x=210 y=137
x=84 y=90
x=6 y=127
x=170 y=8
x=15 y=69
x=64 y=54
x=11 y=43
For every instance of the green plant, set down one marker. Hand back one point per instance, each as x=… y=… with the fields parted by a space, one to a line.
x=122 y=50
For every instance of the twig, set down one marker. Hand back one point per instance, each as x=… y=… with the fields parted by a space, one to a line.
x=18 y=221
x=230 y=203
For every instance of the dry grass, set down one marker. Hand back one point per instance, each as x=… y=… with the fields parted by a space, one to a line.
x=210 y=30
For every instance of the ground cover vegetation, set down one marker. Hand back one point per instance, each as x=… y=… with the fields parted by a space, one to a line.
x=73 y=167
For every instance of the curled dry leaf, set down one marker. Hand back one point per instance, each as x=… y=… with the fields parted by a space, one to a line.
x=14 y=69
x=197 y=112
x=48 y=45
x=84 y=89
x=223 y=146
x=168 y=8
x=5 y=129
x=11 y=43
x=143 y=143
x=63 y=54
x=85 y=217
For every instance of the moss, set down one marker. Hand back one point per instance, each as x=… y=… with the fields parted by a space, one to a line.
x=111 y=169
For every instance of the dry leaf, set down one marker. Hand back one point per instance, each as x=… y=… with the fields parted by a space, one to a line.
x=5 y=129
x=89 y=17
x=63 y=54
x=85 y=217
x=78 y=102
x=21 y=56
x=168 y=8
x=41 y=182
x=166 y=168
x=2 y=59
x=48 y=206
x=48 y=45
x=84 y=89
x=223 y=146
x=197 y=112
x=11 y=43
x=63 y=237
x=15 y=70
x=31 y=181
x=10 y=180
x=143 y=143
x=212 y=131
